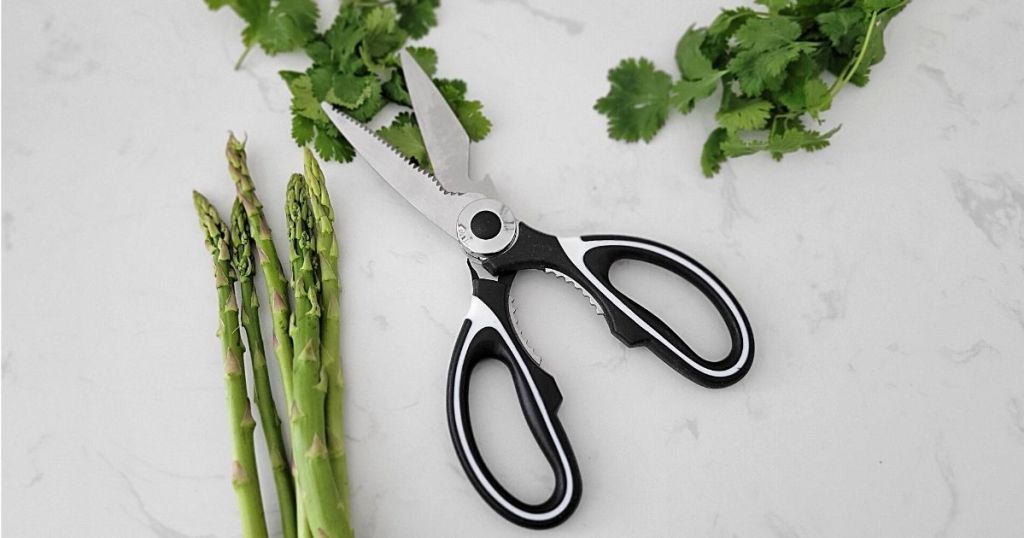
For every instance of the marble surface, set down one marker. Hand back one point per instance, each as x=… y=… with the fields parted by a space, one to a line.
x=883 y=278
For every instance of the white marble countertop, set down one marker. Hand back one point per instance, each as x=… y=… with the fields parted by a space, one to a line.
x=883 y=278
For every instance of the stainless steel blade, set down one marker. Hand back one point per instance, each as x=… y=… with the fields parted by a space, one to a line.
x=418 y=187
x=447 y=142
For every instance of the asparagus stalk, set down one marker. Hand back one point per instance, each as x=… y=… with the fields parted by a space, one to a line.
x=300 y=513
x=330 y=329
x=270 y=264
x=242 y=262
x=244 y=476
x=273 y=277
x=320 y=496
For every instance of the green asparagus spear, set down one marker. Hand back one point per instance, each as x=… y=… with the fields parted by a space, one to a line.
x=330 y=329
x=322 y=501
x=300 y=514
x=244 y=476
x=242 y=262
x=270 y=264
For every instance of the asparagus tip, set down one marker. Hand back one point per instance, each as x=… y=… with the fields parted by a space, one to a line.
x=241 y=239
x=238 y=168
x=200 y=201
x=234 y=142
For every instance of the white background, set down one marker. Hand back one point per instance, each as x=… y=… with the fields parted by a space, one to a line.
x=882 y=276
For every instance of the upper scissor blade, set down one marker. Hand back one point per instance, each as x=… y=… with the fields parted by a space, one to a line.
x=446 y=140
x=418 y=187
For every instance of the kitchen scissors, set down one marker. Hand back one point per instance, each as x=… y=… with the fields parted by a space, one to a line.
x=498 y=246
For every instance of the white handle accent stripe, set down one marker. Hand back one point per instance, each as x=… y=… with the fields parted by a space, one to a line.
x=481 y=317
x=576 y=248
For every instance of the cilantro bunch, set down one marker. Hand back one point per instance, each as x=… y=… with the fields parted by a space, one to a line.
x=775 y=67
x=355 y=67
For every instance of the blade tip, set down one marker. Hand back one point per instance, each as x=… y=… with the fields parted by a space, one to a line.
x=404 y=55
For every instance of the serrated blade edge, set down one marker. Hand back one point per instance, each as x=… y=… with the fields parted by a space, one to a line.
x=581 y=289
x=418 y=187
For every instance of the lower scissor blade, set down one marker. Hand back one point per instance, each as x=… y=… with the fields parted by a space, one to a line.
x=418 y=187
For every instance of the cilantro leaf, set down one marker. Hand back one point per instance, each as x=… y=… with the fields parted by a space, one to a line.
x=471 y=116
x=288 y=26
x=758 y=70
x=404 y=135
x=350 y=91
x=785 y=137
x=637 y=104
x=309 y=123
x=303 y=129
x=304 y=102
x=470 y=113
x=874 y=49
x=809 y=95
x=699 y=77
x=767 y=46
x=685 y=93
x=795 y=137
x=804 y=91
x=453 y=90
x=318 y=51
x=728 y=21
x=769 y=33
x=417 y=17
x=769 y=63
x=252 y=12
x=843 y=27
x=275 y=25
x=370 y=106
x=331 y=146
x=743 y=114
x=344 y=35
x=394 y=90
x=712 y=157
x=321 y=78
x=355 y=67
x=721 y=30
x=426 y=57
x=383 y=35
x=692 y=62
x=734 y=146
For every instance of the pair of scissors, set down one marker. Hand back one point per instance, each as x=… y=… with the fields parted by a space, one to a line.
x=499 y=246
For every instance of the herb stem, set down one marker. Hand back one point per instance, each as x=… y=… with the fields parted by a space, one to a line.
x=853 y=66
x=238 y=64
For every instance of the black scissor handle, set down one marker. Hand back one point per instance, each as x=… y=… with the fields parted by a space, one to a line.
x=487 y=333
x=588 y=259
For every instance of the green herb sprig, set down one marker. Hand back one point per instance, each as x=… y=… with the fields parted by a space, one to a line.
x=769 y=65
x=355 y=67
